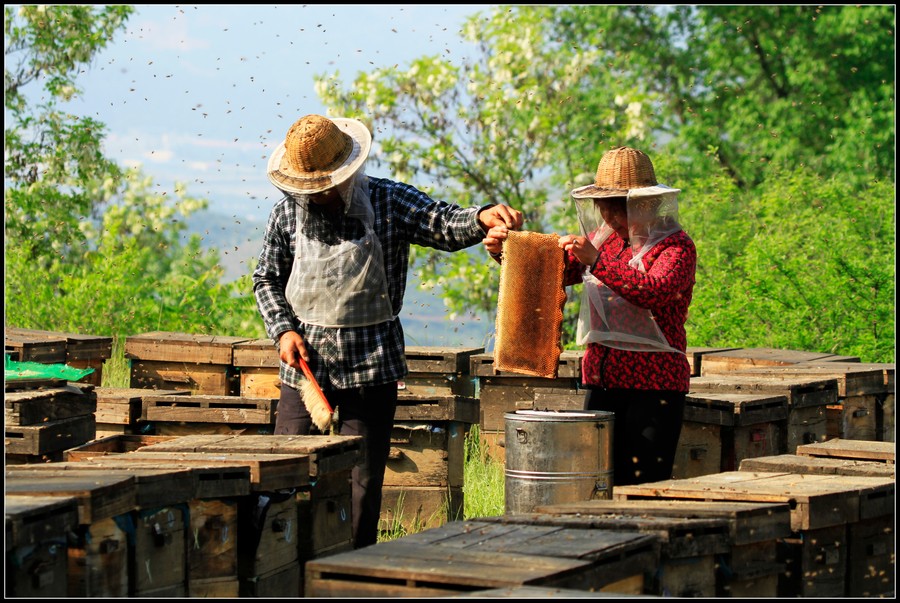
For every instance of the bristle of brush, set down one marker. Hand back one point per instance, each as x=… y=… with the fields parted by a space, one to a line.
x=319 y=409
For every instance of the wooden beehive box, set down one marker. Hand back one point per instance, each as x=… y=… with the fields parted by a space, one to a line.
x=440 y=371
x=423 y=480
x=97 y=559
x=823 y=509
x=323 y=506
x=81 y=351
x=807 y=398
x=201 y=413
x=503 y=392
x=620 y=559
x=854 y=416
x=884 y=399
x=407 y=567
x=749 y=568
x=120 y=409
x=37 y=529
x=722 y=428
x=201 y=364
x=22 y=347
x=851 y=449
x=688 y=547
x=157 y=543
x=257 y=363
x=695 y=357
x=39 y=424
x=818 y=465
x=727 y=361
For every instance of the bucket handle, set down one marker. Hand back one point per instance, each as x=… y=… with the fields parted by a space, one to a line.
x=521 y=435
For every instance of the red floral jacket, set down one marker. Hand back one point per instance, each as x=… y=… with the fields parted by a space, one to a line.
x=665 y=289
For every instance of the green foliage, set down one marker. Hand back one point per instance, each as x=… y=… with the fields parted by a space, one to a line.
x=90 y=247
x=745 y=108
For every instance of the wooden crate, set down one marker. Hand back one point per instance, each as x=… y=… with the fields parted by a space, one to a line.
x=822 y=508
x=44 y=422
x=695 y=357
x=213 y=548
x=502 y=392
x=201 y=364
x=111 y=445
x=37 y=545
x=871 y=571
x=409 y=509
x=125 y=405
x=268 y=473
x=281 y=582
x=205 y=408
x=738 y=425
x=156 y=547
x=750 y=567
x=325 y=515
x=97 y=557
x=807 y=400
x=796 y=463
x=687 y=547
x=258 y=364
x=81 y=351
x=855 y=418
x=268 y=530
x=408 y=569
x=620 y=558
x=548 y=399
x=440 y=371
x=32 y=348
x=728 y=361
x=850 y=449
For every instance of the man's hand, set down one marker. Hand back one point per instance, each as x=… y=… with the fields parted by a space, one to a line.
x=291 y=347
x=500 y=215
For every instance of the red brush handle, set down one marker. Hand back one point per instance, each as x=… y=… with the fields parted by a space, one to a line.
x=311 y=377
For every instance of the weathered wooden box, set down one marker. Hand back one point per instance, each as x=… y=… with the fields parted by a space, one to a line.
x=120 y=409
x=44 y=422
x=409 y=567
x=257 y=363
x=807 y=400
x=97 y=557
x=822 y=509
x=201 y=364
x=749 y=568
x=502 y=392
x=688 y=547
x=423 y=480
x=722 y=428
x=884 y=452
x=80 y=351
x=268 y=530
x=729 y=361
x=37 y=529
x=695 y=357
x=440 y=371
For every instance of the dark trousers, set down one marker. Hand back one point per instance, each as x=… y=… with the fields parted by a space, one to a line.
x=646 y=428
x=363 y=411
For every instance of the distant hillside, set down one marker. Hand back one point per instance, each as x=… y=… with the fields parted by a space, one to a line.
x=423 y=316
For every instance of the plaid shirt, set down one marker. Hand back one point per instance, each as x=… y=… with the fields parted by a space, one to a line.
x=348 y=357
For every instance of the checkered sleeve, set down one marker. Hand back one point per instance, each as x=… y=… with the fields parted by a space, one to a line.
x=274 y=268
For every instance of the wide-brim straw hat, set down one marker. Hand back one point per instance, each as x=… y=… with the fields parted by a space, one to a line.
x=623 y=172
x=318 y=153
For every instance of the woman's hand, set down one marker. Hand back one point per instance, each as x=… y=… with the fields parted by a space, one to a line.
x=580 y=247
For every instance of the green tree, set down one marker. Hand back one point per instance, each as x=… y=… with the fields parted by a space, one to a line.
x=735 y=104
x=89 y=247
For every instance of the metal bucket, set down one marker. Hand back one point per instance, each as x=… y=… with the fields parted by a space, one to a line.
x=556 y=457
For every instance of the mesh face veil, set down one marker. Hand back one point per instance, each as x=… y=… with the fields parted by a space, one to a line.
x=606 y=317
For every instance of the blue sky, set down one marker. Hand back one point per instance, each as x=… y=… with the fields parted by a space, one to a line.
x=201 y=95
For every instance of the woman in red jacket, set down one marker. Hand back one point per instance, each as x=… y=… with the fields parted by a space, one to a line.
x=637 y=266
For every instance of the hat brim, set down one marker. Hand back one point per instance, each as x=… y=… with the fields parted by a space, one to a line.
x=592 y=191
x=291 y=183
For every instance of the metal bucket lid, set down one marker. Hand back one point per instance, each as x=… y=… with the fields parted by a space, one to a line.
x=559 y=415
